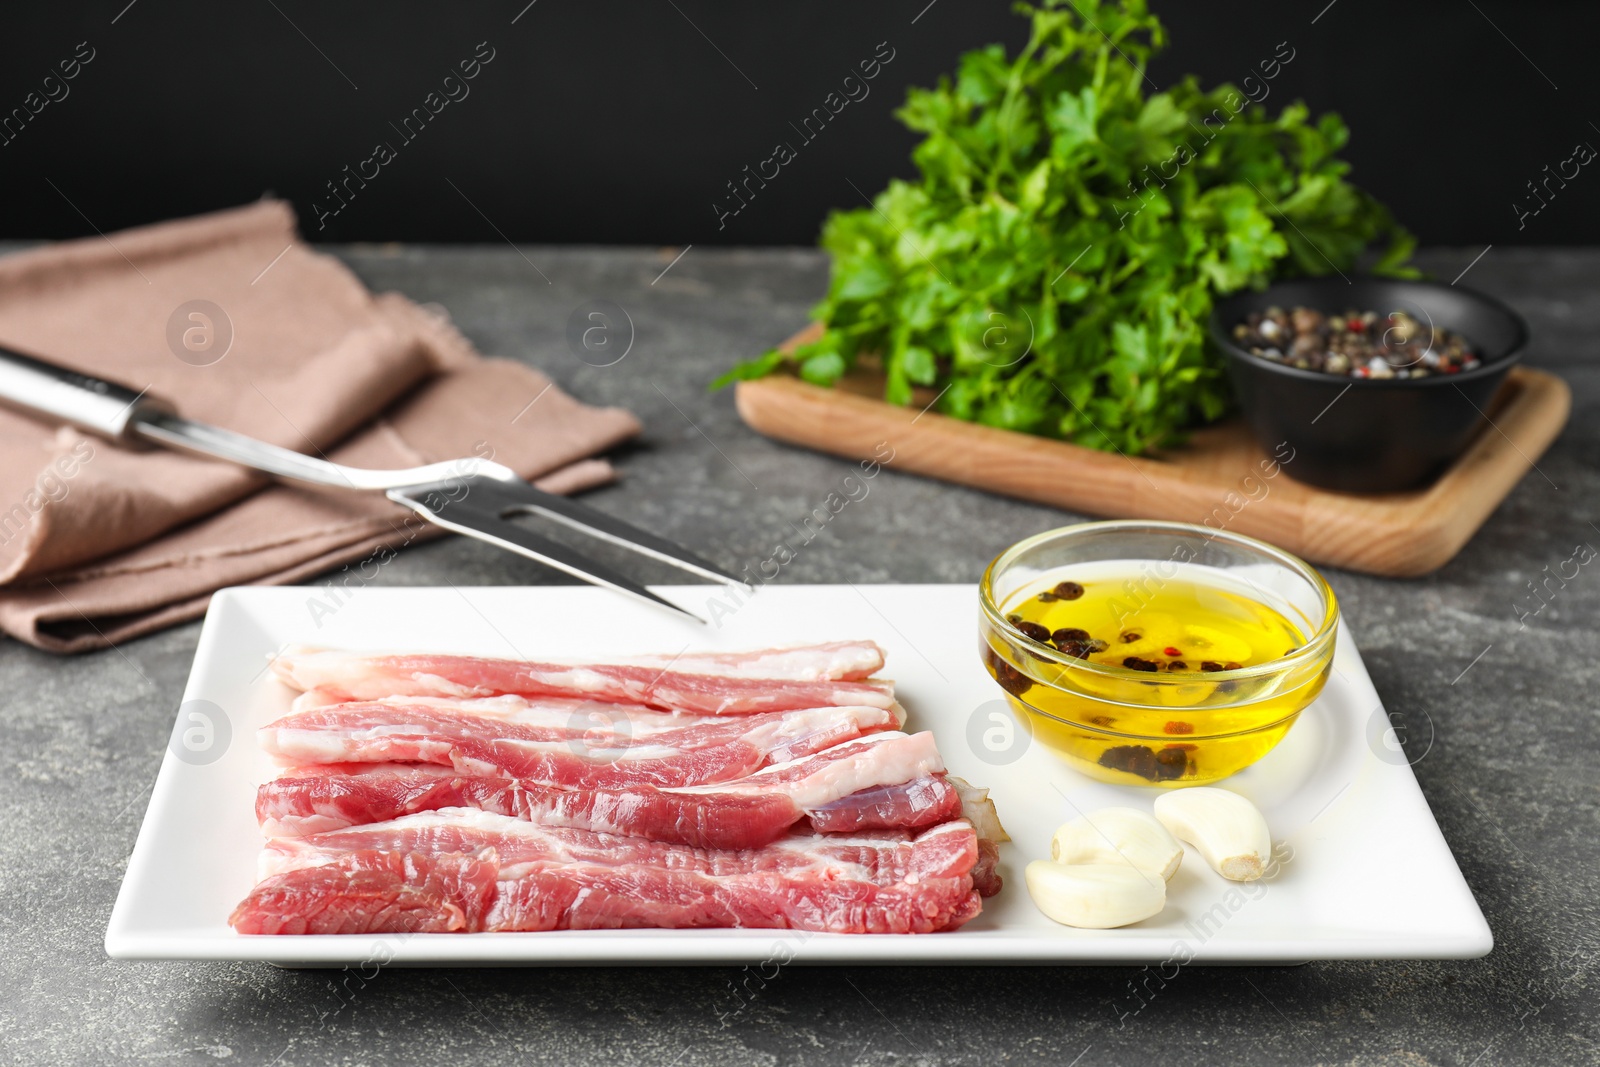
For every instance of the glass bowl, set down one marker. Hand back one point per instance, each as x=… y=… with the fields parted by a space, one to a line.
x=1157 y=727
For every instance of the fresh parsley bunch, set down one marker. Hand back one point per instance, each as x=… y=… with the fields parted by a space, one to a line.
x=1053 y=268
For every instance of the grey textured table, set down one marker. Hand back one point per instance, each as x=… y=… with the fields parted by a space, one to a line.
x=1511 y=774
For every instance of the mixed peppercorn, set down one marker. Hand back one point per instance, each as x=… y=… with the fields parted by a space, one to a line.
x=1180 y=628
x=1355 y=344
x=1080 y=644
x=1157 y=765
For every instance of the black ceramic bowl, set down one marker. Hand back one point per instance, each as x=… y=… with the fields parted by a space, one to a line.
x=1370 y=435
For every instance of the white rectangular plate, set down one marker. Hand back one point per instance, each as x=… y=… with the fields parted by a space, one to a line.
x=1368 y=874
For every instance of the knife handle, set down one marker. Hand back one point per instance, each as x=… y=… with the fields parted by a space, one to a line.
x=94 y=405
x=137 y=420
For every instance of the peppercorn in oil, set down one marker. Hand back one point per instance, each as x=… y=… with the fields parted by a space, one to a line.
x=1150 y=709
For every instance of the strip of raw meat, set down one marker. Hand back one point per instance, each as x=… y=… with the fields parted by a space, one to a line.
x=548 y=746
x=369 y=676
x=896 y=776
x=839 y=660
x=834 y=661
x=560 y=879
x=880 y=759
x=884 y=883
x=561 y=712
x=919 y=802
x=318 y=799
x=598 y=724
x=366 y=892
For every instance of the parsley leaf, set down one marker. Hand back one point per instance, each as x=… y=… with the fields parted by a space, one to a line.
x=1053 y=268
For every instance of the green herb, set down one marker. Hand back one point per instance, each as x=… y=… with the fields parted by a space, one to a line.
x=1053 y=268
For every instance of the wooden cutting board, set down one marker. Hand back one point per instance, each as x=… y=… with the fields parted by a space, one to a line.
x=1216 y=479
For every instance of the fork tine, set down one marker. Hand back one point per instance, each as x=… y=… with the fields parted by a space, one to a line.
x=487 y=526
x=520 y=496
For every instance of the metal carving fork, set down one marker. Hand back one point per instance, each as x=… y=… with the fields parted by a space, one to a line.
x=468 y=496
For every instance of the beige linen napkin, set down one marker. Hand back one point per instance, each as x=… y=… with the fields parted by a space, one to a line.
x=98 y=543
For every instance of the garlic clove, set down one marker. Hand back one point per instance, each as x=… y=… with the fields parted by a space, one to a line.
x=1094 y=896
x=1119 y=835
x=1229 y=831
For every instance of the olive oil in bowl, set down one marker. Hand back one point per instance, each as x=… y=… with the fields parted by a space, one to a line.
x=1167 y=673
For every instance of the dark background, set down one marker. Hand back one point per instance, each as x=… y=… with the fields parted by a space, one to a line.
x=622 y=122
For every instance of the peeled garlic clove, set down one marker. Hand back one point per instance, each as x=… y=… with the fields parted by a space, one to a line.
x=1094 y=896
x=1228 y=830
x=1119 y=835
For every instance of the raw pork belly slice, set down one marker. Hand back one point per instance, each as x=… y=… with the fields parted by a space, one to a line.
x=564 y=879
x=888 y=780
x=849 y=661
x=366 y=892
x=313 y=800
x=595 y=713
x=566 y=714
x=919 y=802
x=565 y=745
x=366 y=676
